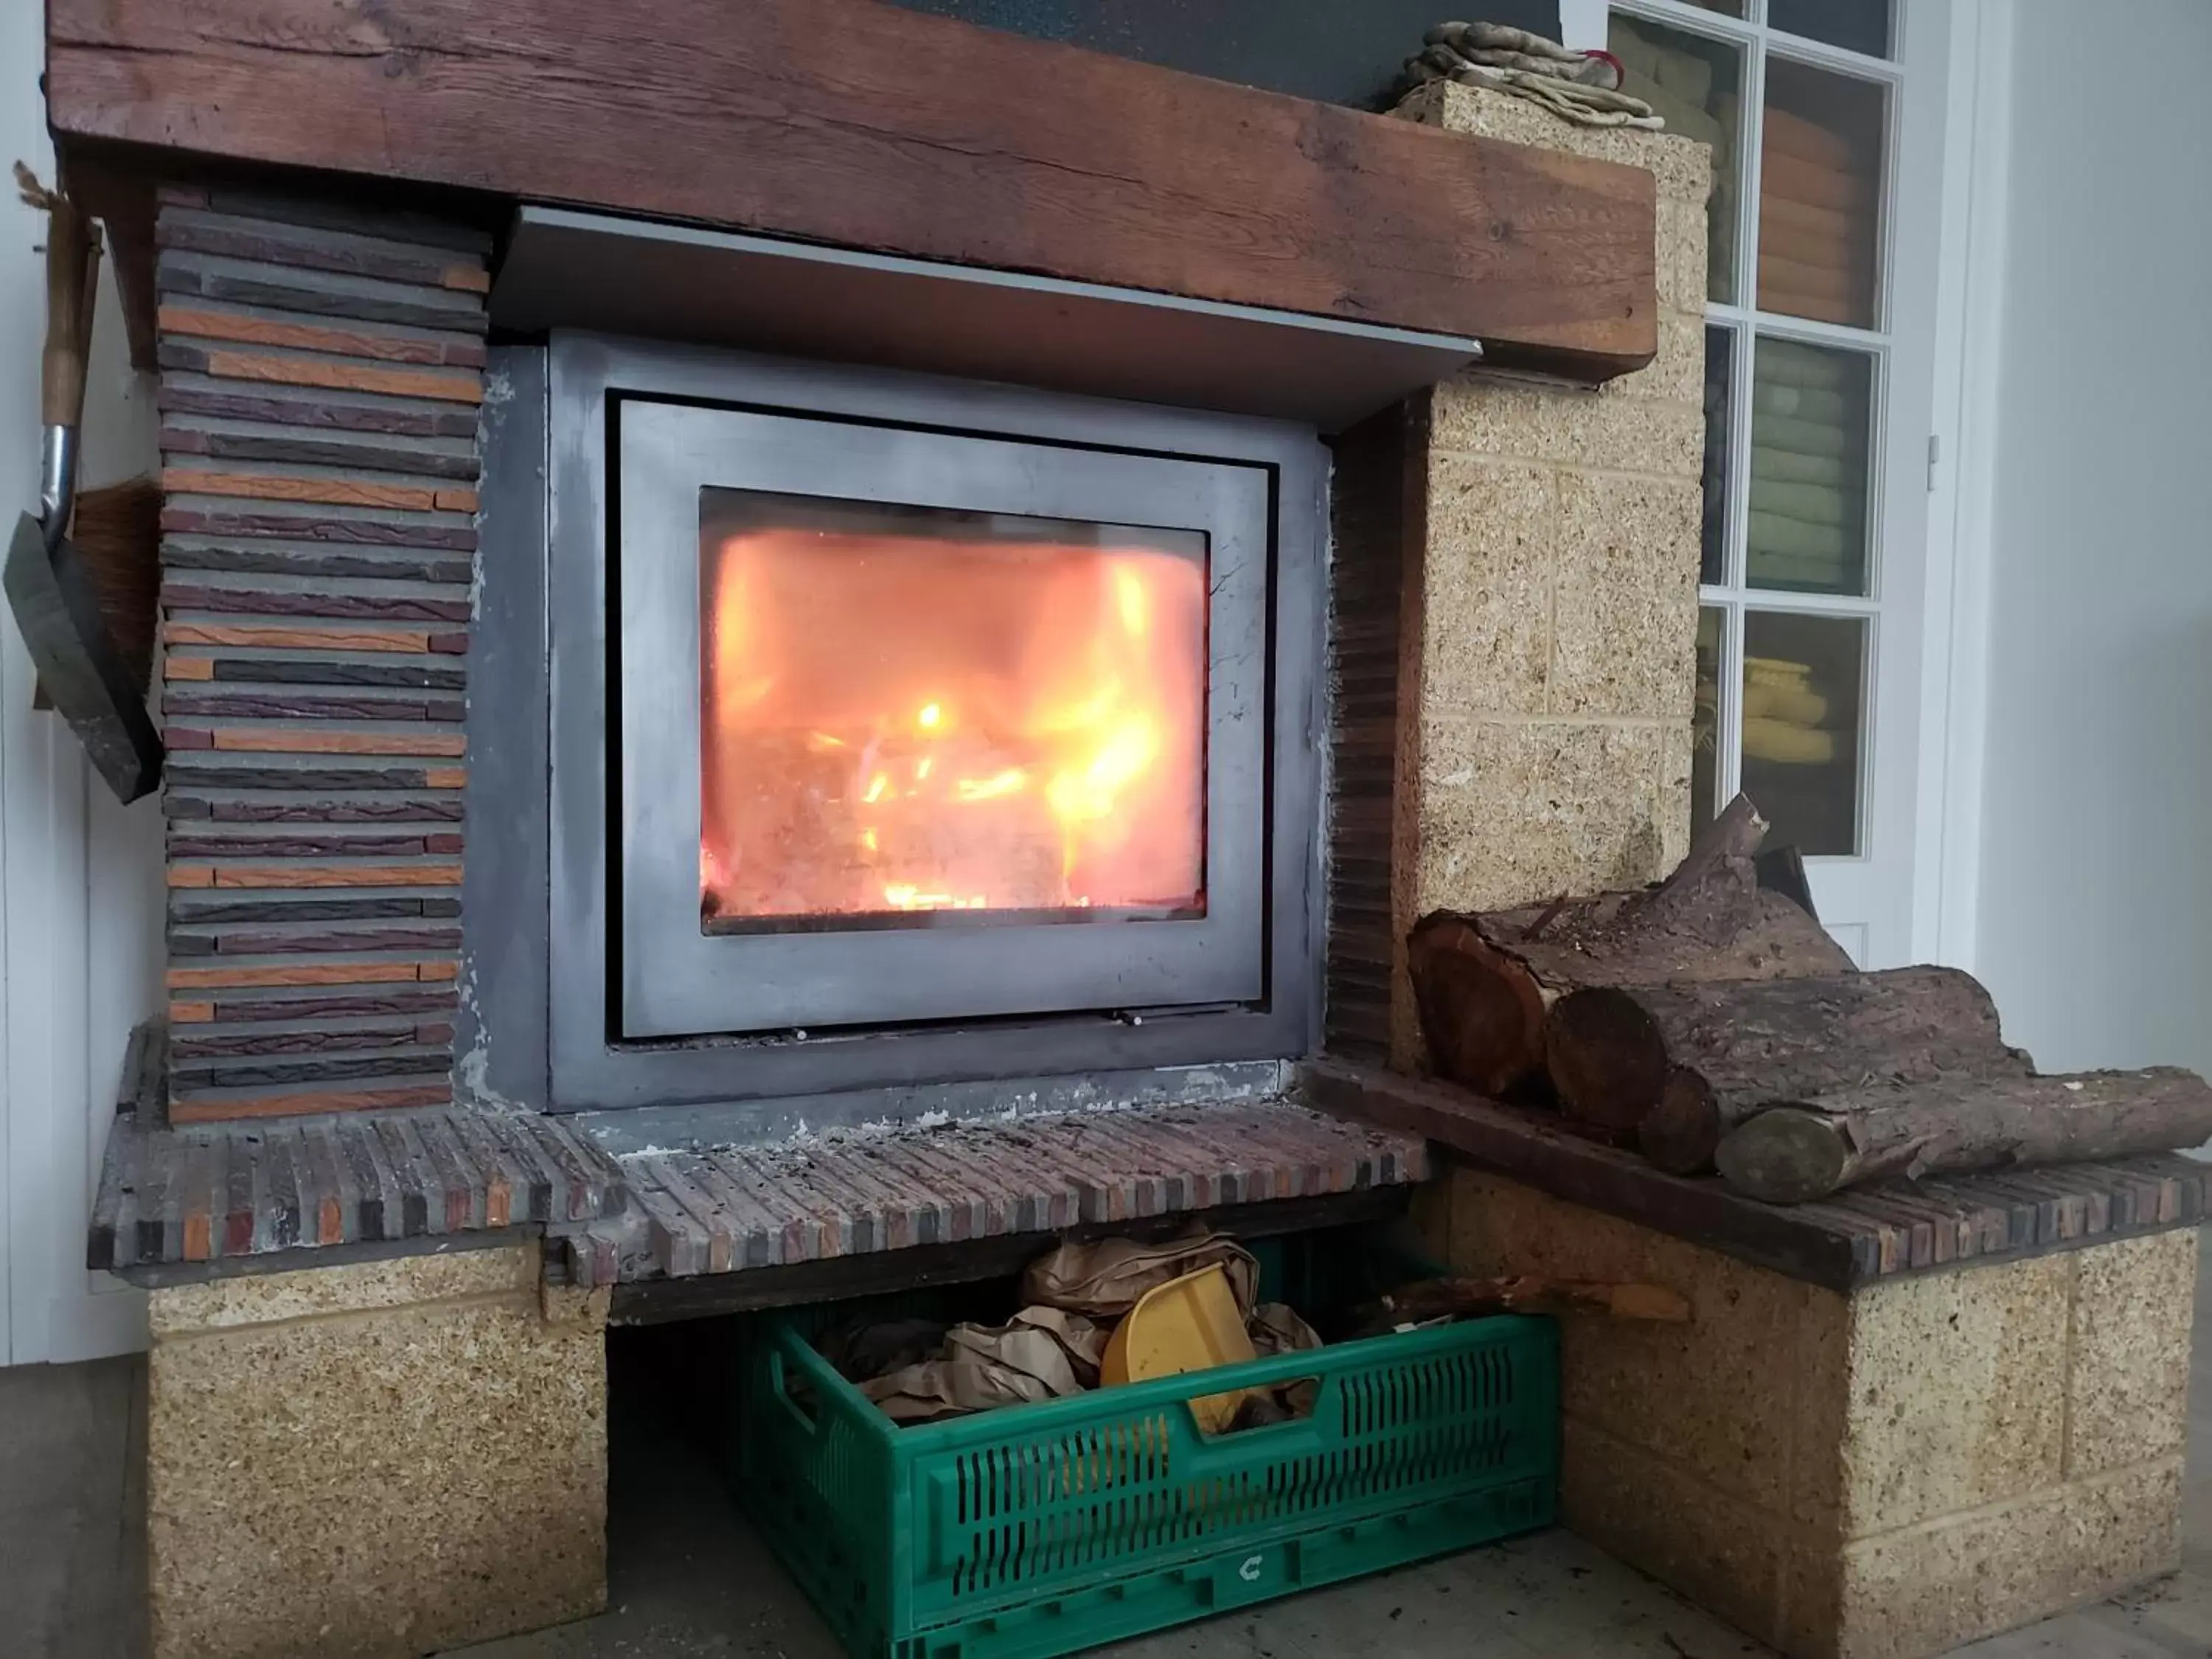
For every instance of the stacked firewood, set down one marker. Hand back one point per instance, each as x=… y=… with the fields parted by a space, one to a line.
x=1711 y=1022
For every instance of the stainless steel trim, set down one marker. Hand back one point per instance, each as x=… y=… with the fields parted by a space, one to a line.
x=676 y=981
x=591 y=1064
x=56 y=483
x=566 y=269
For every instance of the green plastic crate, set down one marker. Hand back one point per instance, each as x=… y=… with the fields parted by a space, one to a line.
x=1038 y=1530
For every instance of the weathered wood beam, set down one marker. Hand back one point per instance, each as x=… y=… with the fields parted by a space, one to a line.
x=123 y=201
x=866 y=125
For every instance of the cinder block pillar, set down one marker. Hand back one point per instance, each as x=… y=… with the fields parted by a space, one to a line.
x=1548 y=623
x=1885 y=1474
x=372 y=1460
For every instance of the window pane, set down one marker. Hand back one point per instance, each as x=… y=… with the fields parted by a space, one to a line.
x=1720 y=358
x=1705 y=722
x=1697 y=85
x=1810 y=417
x=1803 y=682
x=1819 y=188
x=1856 y=25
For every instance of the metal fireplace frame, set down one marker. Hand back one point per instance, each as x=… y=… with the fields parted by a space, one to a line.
x=549 y=896
x=677 y=980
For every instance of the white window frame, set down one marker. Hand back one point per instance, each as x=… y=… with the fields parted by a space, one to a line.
x=1871 y=897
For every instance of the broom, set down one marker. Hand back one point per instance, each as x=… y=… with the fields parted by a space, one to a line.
x=116 y=530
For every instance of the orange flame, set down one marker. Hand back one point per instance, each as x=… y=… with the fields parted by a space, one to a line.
x=1044 y=704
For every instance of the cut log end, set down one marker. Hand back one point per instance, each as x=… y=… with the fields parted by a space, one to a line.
x=1607 y=1058
x=1481 y=1012
x=1683 y=1131
x=1785 y=1156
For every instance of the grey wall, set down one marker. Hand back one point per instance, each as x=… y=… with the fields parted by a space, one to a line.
x=1344 y=51
x=2095 y=903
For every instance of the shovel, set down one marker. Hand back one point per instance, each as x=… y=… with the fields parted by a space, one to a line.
x=47 y=585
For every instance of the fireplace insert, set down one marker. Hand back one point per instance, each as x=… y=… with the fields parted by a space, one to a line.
x=904 y=731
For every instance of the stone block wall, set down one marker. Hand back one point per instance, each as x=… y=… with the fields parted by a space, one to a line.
x=375 y=1461
x=1548 y=625
x=321 y=368
x=1881 y=1475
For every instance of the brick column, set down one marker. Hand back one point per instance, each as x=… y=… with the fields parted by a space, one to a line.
x=321 y=368
x=1548 y=621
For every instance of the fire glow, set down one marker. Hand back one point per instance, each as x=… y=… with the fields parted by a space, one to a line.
x=922 y=723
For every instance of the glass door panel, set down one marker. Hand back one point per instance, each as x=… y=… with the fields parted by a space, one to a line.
x=1826 y=123
x=1805 y=526
x=1862 y=26
x=1696 y=84
x=1803 y=700
x=1720 y=364
x=1820 y=194
x=1705 y=721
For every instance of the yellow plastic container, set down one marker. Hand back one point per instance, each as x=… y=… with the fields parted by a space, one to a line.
x=1188 y=1324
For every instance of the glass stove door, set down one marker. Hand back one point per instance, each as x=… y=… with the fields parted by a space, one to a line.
x=960 y=726
x=915 y=716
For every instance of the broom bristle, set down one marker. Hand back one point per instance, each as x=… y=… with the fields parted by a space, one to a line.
x=117 y=531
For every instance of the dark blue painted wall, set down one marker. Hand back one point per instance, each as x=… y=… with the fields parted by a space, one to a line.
x=1345 y=51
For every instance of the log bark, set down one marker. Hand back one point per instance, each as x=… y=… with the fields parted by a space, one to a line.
x=1736 y=832
x=1484 y=982
x=1804 y=1151
x=1682 y=1063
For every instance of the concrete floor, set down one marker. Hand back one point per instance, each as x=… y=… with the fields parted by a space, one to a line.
x=72 y=1498
x=689 y=1576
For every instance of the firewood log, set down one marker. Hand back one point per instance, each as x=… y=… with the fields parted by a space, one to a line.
x=1483 y=981
x=1682 y=1063
x=1804 y=1151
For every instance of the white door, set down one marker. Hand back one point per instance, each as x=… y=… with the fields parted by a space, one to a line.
x=81 y=893
x=1826 y=122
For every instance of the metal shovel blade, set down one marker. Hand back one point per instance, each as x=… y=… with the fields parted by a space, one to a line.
x=58 y=613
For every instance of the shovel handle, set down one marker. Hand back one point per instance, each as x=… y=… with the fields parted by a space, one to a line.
x=71 y=250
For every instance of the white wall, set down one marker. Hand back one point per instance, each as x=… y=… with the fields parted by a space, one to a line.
x=2092 y=909
x=80 y=877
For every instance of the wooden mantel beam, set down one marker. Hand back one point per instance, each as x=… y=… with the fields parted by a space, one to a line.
x=866 y=125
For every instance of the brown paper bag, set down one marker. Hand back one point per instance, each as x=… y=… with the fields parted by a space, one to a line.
x=1276 y=1329
x=1104 y=1278
x=1043 y=1353
x=951 y=1388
